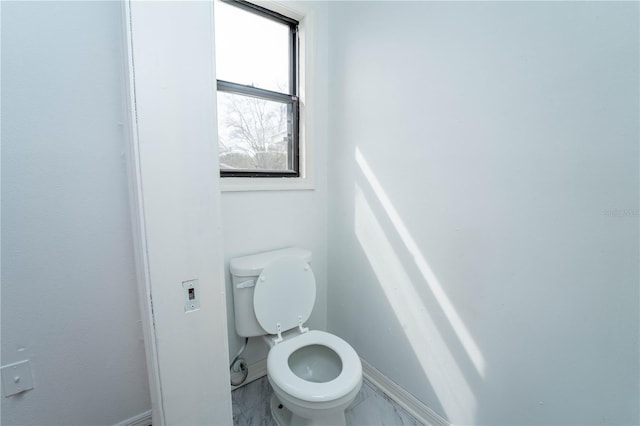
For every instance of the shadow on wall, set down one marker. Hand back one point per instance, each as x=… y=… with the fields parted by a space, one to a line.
x=445 y=350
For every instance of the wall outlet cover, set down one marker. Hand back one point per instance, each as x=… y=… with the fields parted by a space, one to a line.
x=16 y=378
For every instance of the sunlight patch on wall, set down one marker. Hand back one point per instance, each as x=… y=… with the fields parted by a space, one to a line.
x=436 y=360
x=454 y=319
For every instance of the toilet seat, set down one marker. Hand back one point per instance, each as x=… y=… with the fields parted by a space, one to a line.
x=280 y=373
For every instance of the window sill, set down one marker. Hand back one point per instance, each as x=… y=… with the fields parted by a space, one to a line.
x=239 y=184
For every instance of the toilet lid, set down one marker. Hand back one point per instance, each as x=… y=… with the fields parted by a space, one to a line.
x=285 y=290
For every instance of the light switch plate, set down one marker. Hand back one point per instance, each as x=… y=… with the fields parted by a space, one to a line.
x=191 y=295
x=16 y=378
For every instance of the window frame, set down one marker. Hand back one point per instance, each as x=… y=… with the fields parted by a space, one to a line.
x=291 y=99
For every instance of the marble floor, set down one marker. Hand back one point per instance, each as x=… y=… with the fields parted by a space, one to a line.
x=370 y=408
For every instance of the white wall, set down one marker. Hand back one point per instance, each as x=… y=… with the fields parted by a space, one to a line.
x=69 y=299
x=265 y=220
x=477 y=153
x=175 y=85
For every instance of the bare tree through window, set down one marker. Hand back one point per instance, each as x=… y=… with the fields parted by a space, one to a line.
x=254 y=133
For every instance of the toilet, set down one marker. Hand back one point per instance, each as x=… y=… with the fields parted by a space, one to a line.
x=315 y=375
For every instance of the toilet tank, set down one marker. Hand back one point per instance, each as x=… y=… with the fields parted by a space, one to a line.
x=244 y=273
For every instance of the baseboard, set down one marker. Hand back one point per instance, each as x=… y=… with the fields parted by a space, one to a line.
x=256 y=371
x=142 y=419
x=414 y=406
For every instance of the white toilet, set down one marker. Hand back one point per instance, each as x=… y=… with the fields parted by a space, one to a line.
x=315 y=375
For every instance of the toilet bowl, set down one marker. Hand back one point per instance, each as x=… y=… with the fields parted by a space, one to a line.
x=315 y=375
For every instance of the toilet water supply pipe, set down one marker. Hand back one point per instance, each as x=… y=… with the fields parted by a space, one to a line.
x=239 y=365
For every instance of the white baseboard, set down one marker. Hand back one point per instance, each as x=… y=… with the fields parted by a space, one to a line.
x=413 y=405
x=410 y=403
x=142 y=419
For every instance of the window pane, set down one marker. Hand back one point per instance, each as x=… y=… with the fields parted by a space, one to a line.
x=250 y=49
x=253 y=134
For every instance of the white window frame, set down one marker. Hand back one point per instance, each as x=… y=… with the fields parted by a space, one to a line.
x=306 y=92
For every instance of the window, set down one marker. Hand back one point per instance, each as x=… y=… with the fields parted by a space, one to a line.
x=258 y=105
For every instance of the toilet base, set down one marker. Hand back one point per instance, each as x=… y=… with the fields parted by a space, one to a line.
x=279 y=412
x=284 y=417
